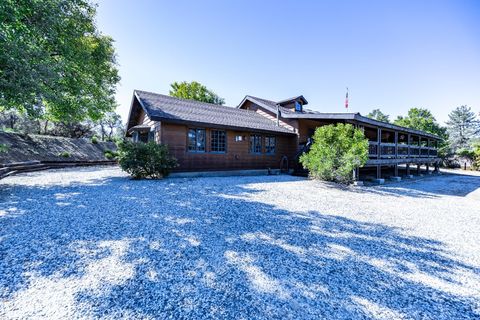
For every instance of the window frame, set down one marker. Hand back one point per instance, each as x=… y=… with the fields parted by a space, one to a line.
x=268 y=140
x=197 y=130
x=212 y=143
x=252 y=146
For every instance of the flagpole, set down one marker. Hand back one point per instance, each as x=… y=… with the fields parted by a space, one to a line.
x=346 y=99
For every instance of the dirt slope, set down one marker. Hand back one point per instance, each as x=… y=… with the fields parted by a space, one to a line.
x=48 y=148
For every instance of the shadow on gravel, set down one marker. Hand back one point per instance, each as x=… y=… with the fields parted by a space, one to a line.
x=447 y=184
x=184 y=248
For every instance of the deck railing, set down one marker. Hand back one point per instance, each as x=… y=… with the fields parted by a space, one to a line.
x=372 y=148
x=387 y=150
x=392 y=150
x=414 y=151
x=402 y=150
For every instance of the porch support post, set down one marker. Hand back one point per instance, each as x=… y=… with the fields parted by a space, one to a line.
x=379 y=141
x=396 y=170
x=379 y=171
x=408 y=145
x=418 y=168
x=396 y=147
x=408 y=169
x=428 y=167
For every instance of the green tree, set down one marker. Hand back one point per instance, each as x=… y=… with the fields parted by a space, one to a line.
x=195 y=91
x=336 y=151
x=110 y=125
x=377 y=114
x=476 y=153
x=54 y=63
x=421 y=119
x=462 y=126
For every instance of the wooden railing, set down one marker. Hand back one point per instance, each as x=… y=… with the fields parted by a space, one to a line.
x=372 y=148
x=414 y=151
x=387 y=150
x=391 y=150
x=402 y=150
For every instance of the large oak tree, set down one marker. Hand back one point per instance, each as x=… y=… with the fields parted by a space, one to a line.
x=54 y=63
x=194 y=91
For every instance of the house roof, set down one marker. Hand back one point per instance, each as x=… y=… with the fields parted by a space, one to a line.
x=140 y=127
x=272 y=106
x=297 y=98
x=171 y=109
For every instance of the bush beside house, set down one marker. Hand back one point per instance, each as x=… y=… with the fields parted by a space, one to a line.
x=145 y=160
x=336 y=151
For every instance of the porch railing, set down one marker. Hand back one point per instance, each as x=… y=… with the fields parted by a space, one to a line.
x=387 y=150
x=402 y=150
x=372 y=148
x=391 y=150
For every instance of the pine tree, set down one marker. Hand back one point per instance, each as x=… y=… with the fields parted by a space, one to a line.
x=462 y=126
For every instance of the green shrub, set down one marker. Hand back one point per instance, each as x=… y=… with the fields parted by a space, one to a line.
x=110 y=154
x=3 y=148
x=145 y=160
x=336 y=151
x=64 y=154
x=94 y=140
x=476 y=156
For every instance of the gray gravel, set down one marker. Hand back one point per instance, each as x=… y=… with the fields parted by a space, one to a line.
x=90 y=243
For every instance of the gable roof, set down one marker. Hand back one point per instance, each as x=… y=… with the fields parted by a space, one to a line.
x=273 y=106
x=297 y=98
x=176 y=110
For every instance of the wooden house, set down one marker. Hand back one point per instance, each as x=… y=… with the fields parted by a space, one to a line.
x=261 y=134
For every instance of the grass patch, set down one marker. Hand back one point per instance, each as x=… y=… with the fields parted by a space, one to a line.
x=64 y=154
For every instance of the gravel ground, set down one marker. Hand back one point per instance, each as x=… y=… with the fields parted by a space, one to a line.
x=90 y=243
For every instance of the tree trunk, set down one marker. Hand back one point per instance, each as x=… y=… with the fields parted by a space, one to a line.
x=45 y=127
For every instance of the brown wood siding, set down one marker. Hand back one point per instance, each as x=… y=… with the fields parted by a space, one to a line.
x=236 y=157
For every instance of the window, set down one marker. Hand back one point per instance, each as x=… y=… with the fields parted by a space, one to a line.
x=298 y=106
x=255 y=143
x=219 y=141
x=151 y=136
x=143 y=136
x=196 y=140
x=270 y=144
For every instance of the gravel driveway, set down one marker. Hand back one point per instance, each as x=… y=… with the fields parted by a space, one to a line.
x=89 y=242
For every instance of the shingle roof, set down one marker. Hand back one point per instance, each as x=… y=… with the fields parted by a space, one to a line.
x=285 y=111
x=311 y=114
x=166 y=108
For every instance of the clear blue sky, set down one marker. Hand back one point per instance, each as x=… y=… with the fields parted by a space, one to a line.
x=391 y=54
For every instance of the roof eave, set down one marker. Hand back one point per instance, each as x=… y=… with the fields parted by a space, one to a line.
x=334 y=116
x=251 y=99
x=300 y=97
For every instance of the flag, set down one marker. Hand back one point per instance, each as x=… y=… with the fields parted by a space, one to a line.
x=346 y=100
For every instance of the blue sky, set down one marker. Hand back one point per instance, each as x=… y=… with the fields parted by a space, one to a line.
x=392 y=55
